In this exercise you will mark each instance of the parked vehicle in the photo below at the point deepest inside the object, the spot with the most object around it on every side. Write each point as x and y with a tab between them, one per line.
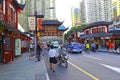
75	47
55	44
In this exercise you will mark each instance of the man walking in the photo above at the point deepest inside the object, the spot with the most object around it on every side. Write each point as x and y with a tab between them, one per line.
39	48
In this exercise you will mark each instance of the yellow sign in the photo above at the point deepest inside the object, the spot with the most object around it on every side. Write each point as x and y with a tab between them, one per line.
38	34
1	29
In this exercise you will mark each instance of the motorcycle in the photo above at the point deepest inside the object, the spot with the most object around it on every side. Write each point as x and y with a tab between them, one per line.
117	50
63	60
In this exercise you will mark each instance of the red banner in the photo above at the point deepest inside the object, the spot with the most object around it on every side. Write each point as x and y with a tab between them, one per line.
39	23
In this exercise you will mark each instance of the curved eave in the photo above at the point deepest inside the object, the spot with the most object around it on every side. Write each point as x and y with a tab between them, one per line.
96	24
51	22
63	29
17	5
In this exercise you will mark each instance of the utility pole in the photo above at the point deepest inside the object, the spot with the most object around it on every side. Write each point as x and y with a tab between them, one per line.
37	16
35	35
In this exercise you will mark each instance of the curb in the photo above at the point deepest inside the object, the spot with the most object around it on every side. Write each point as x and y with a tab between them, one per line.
46	73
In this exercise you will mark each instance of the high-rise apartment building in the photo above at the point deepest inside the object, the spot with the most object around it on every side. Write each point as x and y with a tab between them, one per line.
95	10
84	11
41	8
50	14
115	8
75	16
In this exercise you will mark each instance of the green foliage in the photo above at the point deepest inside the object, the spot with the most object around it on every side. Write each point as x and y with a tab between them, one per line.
75	29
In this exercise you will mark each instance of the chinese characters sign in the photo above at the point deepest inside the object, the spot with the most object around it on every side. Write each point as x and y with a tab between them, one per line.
31	21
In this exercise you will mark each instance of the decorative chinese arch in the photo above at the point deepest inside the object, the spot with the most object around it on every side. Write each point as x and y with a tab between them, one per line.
51	28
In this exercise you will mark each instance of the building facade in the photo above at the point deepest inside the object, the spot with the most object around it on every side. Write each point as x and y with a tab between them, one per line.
95	10
115	8
75	12
10	37
84	11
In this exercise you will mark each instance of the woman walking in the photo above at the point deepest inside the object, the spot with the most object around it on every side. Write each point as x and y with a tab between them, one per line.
52	58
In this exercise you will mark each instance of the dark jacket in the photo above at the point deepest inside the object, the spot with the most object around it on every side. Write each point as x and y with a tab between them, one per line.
39	48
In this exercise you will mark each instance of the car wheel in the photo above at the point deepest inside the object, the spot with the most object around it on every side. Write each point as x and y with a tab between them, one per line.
80	52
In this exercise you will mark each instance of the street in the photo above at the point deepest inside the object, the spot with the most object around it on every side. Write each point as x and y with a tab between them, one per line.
93	66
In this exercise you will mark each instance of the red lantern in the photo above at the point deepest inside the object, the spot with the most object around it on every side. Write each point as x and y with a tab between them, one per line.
9	1
19	11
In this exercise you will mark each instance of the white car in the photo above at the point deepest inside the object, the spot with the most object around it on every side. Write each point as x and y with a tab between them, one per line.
55	44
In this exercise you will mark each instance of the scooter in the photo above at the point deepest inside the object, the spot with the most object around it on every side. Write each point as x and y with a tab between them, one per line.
117	50
63	60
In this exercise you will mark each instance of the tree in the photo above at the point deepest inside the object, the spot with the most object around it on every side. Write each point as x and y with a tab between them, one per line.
75	29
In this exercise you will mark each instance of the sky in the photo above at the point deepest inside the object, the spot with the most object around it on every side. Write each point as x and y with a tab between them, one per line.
63	10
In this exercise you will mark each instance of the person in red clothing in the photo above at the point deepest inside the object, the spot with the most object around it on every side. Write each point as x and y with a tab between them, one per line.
111	47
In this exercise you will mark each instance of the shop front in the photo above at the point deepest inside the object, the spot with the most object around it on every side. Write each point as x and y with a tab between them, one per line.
7	55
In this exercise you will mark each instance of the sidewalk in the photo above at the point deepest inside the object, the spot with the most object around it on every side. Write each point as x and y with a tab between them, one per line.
24	69
103	50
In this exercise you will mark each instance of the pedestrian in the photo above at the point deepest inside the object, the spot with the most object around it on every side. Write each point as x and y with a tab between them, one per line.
87	47
93	46
45	50
107	45
39	48
115	47
31	47
97	46
52	58
111	47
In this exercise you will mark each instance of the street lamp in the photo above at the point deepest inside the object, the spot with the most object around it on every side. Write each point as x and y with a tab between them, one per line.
38	16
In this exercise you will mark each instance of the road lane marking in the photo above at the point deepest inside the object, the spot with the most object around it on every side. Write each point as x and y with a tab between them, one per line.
92	57
111	67
82	70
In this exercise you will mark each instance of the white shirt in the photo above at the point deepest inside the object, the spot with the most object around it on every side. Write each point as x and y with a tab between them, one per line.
31	46
52	53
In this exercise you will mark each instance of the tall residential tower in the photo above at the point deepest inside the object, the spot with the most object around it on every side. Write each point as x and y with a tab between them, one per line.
95	10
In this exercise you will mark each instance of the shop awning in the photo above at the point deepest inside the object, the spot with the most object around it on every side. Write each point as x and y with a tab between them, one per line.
10	28
96	24
96	35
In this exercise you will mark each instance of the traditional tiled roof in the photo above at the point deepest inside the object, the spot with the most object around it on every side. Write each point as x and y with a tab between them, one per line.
95	24
17	5
62	28
51	22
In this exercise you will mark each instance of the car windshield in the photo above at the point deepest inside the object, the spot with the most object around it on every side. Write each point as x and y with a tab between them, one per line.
76	44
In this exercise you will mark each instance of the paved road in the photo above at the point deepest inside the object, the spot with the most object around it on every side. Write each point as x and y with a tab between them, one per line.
94	66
